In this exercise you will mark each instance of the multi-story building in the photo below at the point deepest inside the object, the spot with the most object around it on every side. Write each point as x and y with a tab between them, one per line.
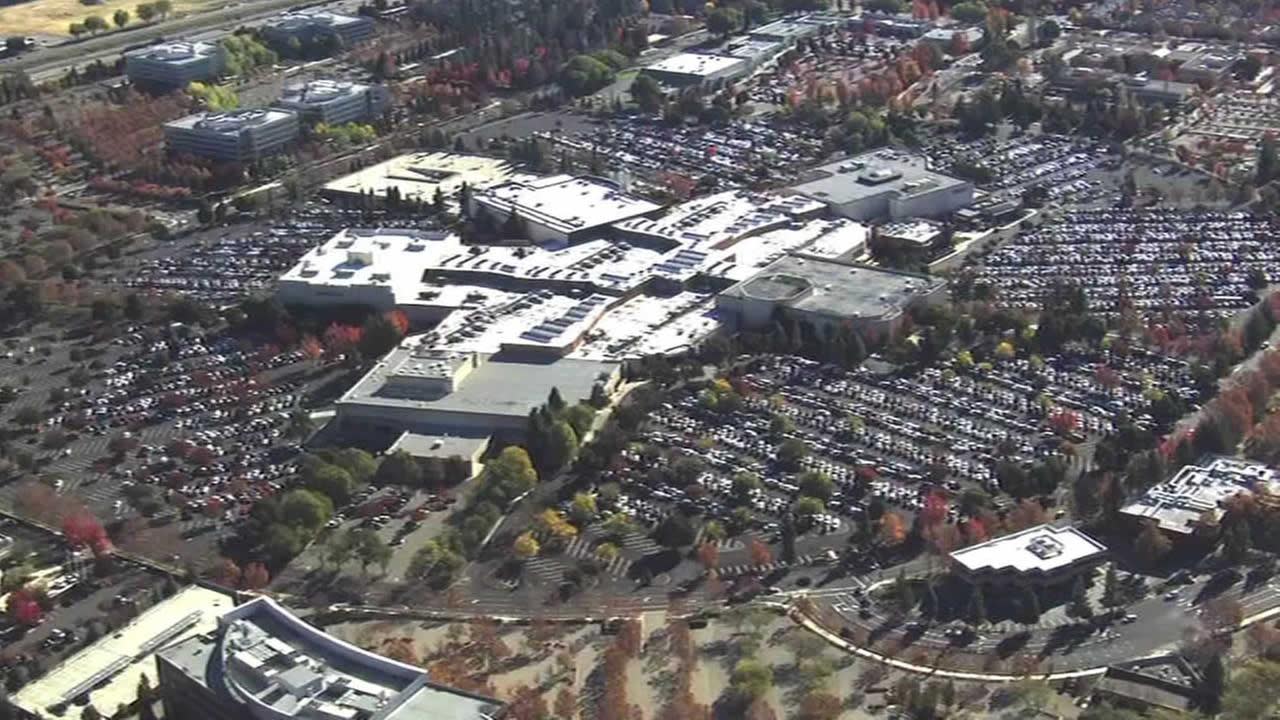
561	208
237	136
1197	496
333	101
174	64
311	27
885	185
266	664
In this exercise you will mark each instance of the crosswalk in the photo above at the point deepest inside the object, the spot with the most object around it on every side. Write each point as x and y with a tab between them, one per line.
762	569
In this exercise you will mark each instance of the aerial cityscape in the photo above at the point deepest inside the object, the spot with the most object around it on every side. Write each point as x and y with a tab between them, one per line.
639	360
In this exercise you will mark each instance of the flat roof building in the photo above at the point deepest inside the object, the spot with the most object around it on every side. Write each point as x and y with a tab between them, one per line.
430	391
829	293
561	208
1039	556
1197	495
694	69
914	233
237	136
885	185
262	662
417	177
174	64
334	101
789	30
314	25
107	672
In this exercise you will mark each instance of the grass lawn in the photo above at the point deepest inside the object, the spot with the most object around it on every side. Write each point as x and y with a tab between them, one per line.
54	17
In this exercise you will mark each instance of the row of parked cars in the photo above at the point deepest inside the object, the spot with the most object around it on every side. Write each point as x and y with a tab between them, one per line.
1189	262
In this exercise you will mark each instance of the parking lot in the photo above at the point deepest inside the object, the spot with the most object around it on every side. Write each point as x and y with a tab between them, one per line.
740	152
176	438
842	56
1185	262
1072	170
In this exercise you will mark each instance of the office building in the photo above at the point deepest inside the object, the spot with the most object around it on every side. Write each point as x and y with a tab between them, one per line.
334	101
264	663
790	30
697	69
435	392
315	26
174	64
1041	556
885	185
561	208
105	674
237	136
830	294
1196	497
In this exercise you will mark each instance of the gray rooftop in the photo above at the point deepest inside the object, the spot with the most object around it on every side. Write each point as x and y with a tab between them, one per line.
505	384
834	288
872	174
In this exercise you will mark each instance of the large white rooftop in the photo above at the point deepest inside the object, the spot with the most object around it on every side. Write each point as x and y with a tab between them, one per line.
108	671
417	176
1043	549
698	64
1198	493
565	203
177	52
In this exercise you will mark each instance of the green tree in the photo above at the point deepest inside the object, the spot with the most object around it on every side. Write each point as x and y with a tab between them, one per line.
647	94
399	468
675	531
370	549
816	484
791	451
562	445
120	18
977	612
723	21
333	482
1251	692
969	13
95	24
305	509
751	678
146	12
380	335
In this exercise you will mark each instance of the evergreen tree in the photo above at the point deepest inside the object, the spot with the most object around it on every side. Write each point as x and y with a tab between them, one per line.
977	613
1212	683
1111	588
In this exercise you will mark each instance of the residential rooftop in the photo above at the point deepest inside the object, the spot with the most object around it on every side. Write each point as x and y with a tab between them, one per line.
1198	493
1043	549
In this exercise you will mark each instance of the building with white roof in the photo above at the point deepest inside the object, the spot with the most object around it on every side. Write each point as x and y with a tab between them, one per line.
334	101
417	177
912	233
236	136
1197	495
561	208
1040	556
885	185
174	64
693	69
107	672
264	663
308	27
829	295
790	30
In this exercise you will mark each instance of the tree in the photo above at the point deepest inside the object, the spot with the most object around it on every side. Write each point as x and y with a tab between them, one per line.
90	713
816	484
255	576
723	21
647	93
380	334
758	552
818	705
146	12
1212	684
968	13
562	445
525	546
163	7
1111	596
893	529
1151	545
751	679
370	549
709	556
333	482
675	531
95	24
306	509
1251	692
120	18
791	451
399	468
1079	605
300	425
583	508
977	612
